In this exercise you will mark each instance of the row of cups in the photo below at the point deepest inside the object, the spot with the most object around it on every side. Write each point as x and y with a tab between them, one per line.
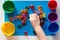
52	17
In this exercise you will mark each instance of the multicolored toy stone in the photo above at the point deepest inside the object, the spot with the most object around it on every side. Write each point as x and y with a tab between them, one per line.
32	7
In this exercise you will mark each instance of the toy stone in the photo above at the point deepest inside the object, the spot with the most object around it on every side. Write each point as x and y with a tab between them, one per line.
19	16
23	17
23	21
42	13
41	22
41	16
15	17
11	19
27	7
39	8
20	26
22	11
32	7
26	11
25	33
37	12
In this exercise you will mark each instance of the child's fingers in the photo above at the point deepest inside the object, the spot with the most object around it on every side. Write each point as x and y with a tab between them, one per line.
31	17
37	17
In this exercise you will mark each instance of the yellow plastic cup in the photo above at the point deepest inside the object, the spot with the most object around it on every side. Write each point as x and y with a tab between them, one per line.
8	28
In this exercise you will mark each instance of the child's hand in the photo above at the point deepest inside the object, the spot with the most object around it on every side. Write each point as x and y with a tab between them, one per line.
34	19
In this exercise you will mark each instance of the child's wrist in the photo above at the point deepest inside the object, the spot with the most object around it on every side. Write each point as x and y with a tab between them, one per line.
36	27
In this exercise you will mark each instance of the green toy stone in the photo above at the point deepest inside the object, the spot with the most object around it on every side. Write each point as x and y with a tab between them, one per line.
27	7
23	24
20	26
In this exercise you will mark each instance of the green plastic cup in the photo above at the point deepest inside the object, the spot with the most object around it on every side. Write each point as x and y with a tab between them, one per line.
8	6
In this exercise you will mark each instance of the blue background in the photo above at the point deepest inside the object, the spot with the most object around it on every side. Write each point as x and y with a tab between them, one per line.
20	5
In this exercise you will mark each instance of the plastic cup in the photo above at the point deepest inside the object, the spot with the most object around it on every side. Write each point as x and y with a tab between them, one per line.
8	6
52	5
53	28
52	17
8	28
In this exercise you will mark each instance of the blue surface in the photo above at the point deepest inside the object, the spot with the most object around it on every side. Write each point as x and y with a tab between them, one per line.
21	5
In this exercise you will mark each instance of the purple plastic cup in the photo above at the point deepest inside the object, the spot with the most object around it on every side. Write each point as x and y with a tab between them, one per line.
52	17
53	28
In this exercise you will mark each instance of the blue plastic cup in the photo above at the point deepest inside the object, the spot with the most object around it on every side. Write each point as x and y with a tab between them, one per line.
53	28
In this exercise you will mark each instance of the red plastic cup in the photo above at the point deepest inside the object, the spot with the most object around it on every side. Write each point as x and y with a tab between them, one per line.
52	17
52	5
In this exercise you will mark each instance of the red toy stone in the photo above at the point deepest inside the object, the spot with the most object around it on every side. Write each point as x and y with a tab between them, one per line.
25	33
23	17
41	22
23	21
32	7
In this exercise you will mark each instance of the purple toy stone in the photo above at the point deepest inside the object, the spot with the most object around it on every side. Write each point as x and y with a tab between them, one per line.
24	15
15	17
37	12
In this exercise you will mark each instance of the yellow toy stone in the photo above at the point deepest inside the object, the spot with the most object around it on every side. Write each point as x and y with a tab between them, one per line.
39	8
26	10
22	11
41	16
8	28
44	15
19	16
